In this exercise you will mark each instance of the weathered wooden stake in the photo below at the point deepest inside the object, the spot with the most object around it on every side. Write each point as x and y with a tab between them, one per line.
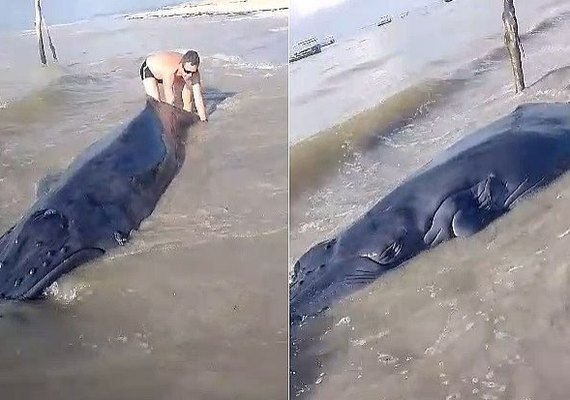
513	44
39	32
51	46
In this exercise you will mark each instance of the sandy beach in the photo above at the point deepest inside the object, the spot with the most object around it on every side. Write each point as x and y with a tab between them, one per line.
219	7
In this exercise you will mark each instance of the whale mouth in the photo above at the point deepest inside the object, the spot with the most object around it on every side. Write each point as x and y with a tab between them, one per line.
79	257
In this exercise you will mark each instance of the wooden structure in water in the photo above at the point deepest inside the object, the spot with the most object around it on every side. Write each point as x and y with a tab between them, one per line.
305	48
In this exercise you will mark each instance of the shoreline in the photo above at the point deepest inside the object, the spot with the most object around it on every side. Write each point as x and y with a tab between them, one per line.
215	8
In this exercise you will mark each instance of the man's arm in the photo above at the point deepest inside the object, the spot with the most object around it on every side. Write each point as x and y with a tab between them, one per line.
186	98
168	85
197	91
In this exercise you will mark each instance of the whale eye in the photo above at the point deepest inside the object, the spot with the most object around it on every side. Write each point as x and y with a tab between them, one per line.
330	244
296	268
390	253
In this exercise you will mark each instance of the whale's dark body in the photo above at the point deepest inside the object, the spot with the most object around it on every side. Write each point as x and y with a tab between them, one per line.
96	203
459	193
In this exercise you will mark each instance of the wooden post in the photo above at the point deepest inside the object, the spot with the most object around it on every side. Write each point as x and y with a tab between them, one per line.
513	44
51	46
39	32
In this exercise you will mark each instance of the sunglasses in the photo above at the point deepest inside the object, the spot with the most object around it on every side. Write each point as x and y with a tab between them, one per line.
185	70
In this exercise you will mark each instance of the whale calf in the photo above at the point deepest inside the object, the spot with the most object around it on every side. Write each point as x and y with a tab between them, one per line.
457	194
96	203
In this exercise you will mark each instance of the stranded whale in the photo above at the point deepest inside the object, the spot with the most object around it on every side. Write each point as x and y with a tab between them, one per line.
459	193
95	204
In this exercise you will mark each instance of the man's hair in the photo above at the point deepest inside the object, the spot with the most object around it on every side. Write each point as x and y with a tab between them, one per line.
191	57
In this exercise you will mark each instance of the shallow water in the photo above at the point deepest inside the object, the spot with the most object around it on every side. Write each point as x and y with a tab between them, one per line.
373	64
20	15
481	318
195	305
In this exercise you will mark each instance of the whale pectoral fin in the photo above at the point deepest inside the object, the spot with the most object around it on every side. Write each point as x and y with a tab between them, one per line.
468	211
47	183
439	229
477	212
467	222
436	236
490	194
